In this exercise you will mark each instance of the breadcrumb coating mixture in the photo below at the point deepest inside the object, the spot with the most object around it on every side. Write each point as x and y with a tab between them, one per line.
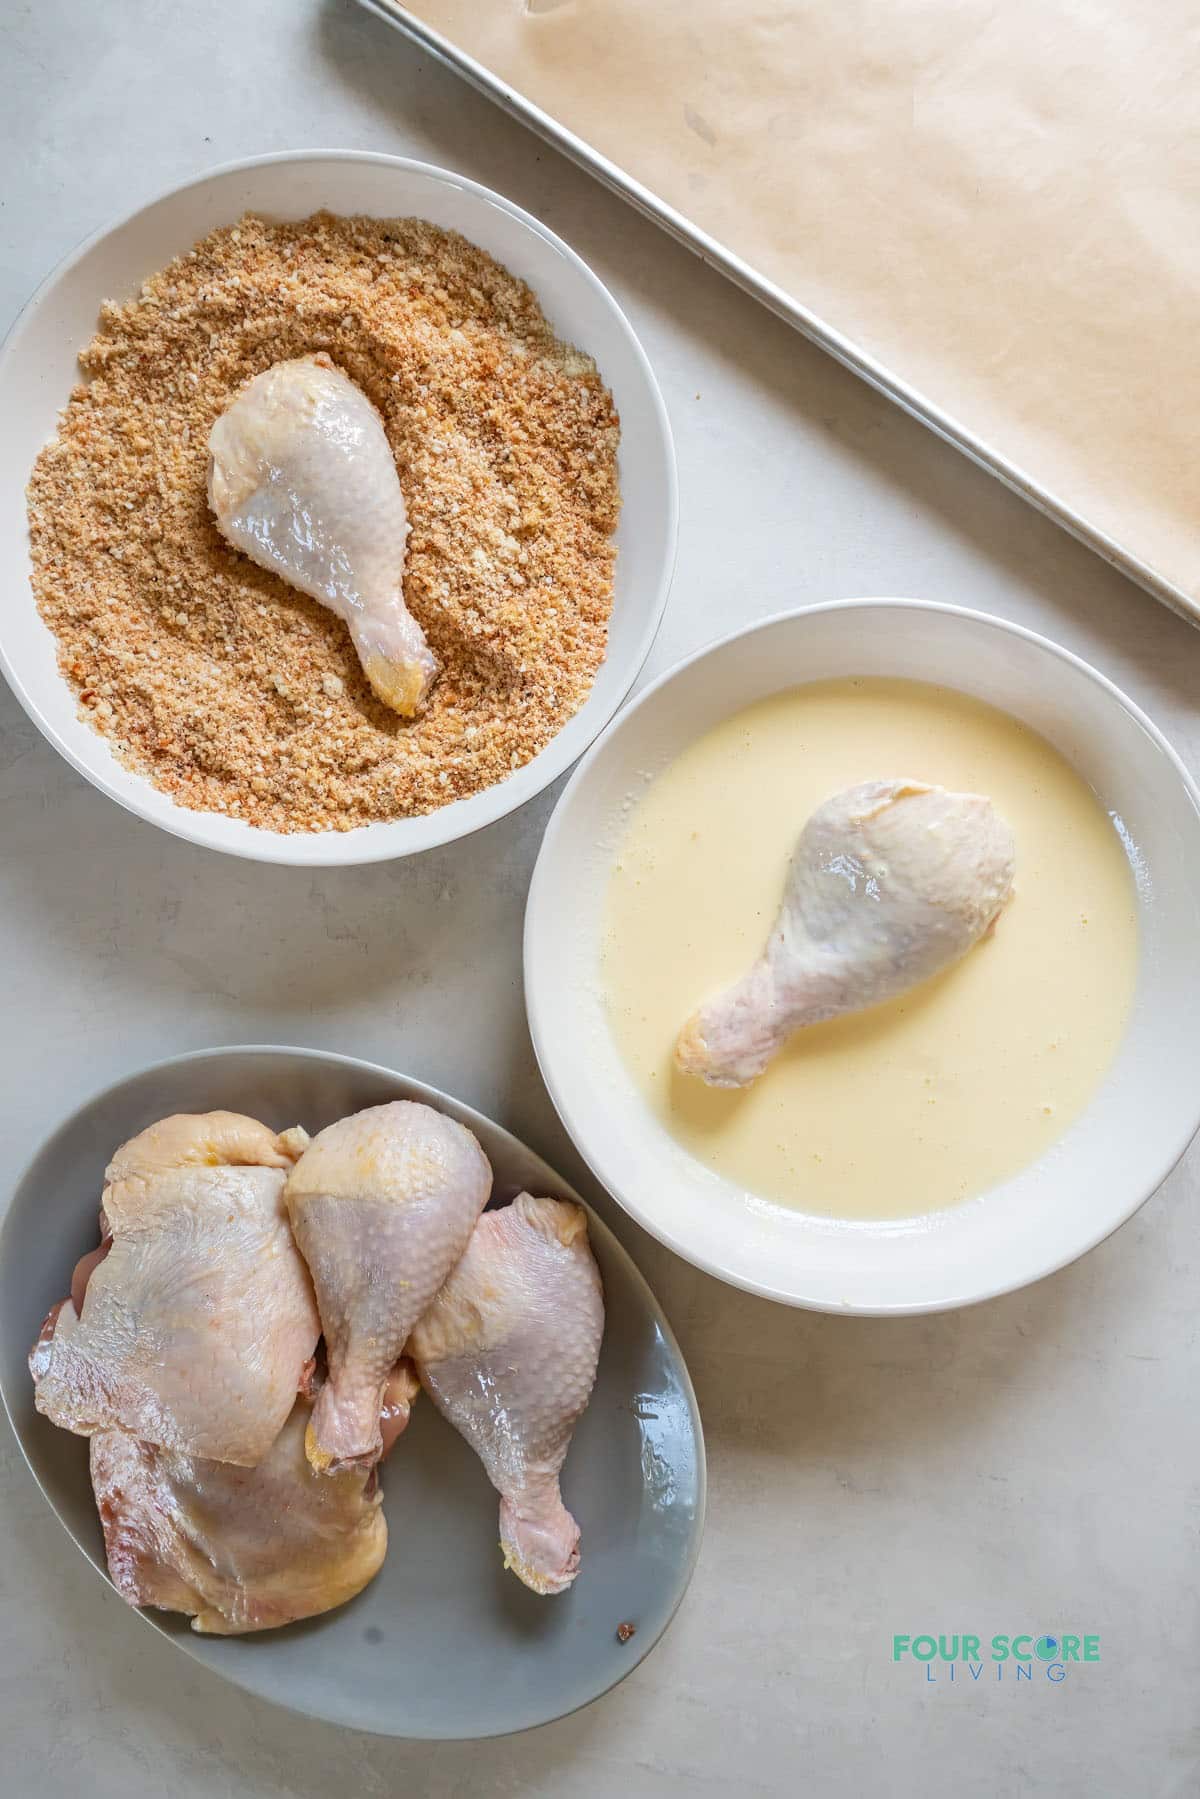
230	690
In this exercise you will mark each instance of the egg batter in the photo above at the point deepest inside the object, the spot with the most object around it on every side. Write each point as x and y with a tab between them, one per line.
941	1093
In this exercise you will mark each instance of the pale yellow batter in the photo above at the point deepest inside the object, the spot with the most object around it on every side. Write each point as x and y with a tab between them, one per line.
938	1095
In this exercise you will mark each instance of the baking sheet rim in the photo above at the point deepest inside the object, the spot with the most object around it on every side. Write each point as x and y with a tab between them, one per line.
809	324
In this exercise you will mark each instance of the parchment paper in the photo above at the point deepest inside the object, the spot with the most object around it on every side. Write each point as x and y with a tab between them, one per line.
1000	201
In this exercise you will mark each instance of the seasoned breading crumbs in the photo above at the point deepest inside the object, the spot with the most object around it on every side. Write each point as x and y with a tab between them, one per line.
235	693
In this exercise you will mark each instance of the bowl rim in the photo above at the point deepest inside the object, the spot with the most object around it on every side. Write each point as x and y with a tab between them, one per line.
435	1097
361	845
536	1012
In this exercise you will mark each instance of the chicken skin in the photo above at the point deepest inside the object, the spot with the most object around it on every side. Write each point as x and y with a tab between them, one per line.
302	479
508	1353
891	882
382	1205
400	1393
239	1549
194	1325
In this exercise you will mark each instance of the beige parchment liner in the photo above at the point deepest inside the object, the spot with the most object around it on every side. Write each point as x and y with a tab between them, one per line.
1000	202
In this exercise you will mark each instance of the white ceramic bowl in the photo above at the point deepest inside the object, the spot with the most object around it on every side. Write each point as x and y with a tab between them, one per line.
1099	1172
38	370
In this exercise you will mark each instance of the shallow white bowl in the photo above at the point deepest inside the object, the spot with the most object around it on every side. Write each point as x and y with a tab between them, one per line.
1099	1172
38	370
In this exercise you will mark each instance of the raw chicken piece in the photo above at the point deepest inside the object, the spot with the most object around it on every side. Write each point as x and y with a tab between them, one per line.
238	1548
508	1354
301	477
382	1205
197	1321
400	1392
890	883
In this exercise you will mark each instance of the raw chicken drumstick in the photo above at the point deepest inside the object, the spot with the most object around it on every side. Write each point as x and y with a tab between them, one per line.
508	1354
302	478
238	1548
890	883
195	1321
382	1205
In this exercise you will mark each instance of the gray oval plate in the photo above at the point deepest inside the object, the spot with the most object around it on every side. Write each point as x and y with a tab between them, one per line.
443	1643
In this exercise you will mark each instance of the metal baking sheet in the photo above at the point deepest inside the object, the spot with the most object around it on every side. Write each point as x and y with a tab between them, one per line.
867	367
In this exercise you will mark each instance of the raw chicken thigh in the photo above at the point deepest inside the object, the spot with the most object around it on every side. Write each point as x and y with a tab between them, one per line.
302	478
508	1354
194	1325
382	1205
890	883
238	1548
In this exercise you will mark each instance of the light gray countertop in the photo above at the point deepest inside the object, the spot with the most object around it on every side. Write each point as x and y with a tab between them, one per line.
1030	1465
